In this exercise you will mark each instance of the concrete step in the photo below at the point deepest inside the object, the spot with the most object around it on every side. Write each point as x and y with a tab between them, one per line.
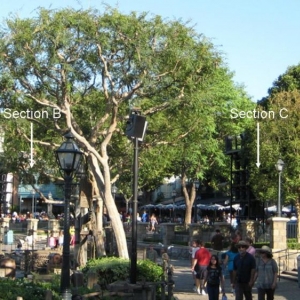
290	275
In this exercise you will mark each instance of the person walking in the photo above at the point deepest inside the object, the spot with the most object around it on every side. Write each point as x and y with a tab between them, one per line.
202	259
250	249
214	278
244	267
153	222
72	235
144	217
60	239
30	240
52	241
152	254
266	274
195	248
228	261
165	262
217	241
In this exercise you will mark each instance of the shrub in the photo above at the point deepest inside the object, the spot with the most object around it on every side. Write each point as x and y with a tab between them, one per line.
152	240
293	244
260	244
110	269
27	289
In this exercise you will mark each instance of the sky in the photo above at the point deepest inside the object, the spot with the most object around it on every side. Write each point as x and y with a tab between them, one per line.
259	39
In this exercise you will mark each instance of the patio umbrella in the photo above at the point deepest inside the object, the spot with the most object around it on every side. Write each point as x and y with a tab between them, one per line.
271	208
215	207
202	206
234	206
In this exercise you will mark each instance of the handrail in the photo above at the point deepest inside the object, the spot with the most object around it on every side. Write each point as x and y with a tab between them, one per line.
287	255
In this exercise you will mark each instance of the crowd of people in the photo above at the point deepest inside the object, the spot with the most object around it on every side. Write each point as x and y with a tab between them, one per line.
20	217
244	264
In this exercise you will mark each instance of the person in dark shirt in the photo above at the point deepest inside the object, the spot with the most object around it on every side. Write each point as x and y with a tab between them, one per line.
214	278
217	241
244	267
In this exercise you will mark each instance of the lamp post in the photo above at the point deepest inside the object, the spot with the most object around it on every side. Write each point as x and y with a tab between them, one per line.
114	191
197	184
32	203
279	167
174	196
21	201
135	130
68	158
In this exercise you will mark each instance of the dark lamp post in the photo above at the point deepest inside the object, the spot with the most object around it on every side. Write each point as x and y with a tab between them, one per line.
197	184
68	158
279	167
135	130
174	196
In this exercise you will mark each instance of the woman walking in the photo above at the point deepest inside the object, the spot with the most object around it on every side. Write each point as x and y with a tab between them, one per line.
266	274
153	222
61	239
214	278
229	257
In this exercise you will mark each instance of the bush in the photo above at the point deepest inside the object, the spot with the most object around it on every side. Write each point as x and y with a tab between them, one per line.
152	240
260	244
293	244
33	290
27	289
111	269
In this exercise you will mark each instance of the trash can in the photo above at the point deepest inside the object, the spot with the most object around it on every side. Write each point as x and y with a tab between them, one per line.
9	237
298	267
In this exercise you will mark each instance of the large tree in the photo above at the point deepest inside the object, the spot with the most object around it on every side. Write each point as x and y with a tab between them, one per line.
87	70
280	139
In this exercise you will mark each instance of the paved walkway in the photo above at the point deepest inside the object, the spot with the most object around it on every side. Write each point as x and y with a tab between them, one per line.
287	289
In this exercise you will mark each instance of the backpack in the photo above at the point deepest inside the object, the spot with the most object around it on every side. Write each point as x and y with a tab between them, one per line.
213	276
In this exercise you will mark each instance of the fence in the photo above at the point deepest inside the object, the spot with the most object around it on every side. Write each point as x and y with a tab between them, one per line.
292	230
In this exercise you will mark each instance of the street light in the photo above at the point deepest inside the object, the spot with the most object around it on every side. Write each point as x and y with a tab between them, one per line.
32	203
68	157
197	184
135	130
279	167
114	191
174	196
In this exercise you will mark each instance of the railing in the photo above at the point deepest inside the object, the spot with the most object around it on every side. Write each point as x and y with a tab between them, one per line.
284	258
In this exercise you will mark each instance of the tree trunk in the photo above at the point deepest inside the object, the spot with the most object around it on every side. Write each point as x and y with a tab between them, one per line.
100	241
104	186
188	213
189	199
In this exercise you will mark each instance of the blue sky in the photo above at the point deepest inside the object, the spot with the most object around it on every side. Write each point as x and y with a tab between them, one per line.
259	39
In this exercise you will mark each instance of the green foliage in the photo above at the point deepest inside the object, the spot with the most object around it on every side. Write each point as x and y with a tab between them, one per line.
279	139
152	240
289	81
94	67
28	290
260	244
180	243
293	244
111	269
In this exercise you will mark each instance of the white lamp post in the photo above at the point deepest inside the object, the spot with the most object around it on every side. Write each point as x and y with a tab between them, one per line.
279	167
174	196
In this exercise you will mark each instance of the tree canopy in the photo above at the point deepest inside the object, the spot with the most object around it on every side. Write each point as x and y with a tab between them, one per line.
279	139
85	71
